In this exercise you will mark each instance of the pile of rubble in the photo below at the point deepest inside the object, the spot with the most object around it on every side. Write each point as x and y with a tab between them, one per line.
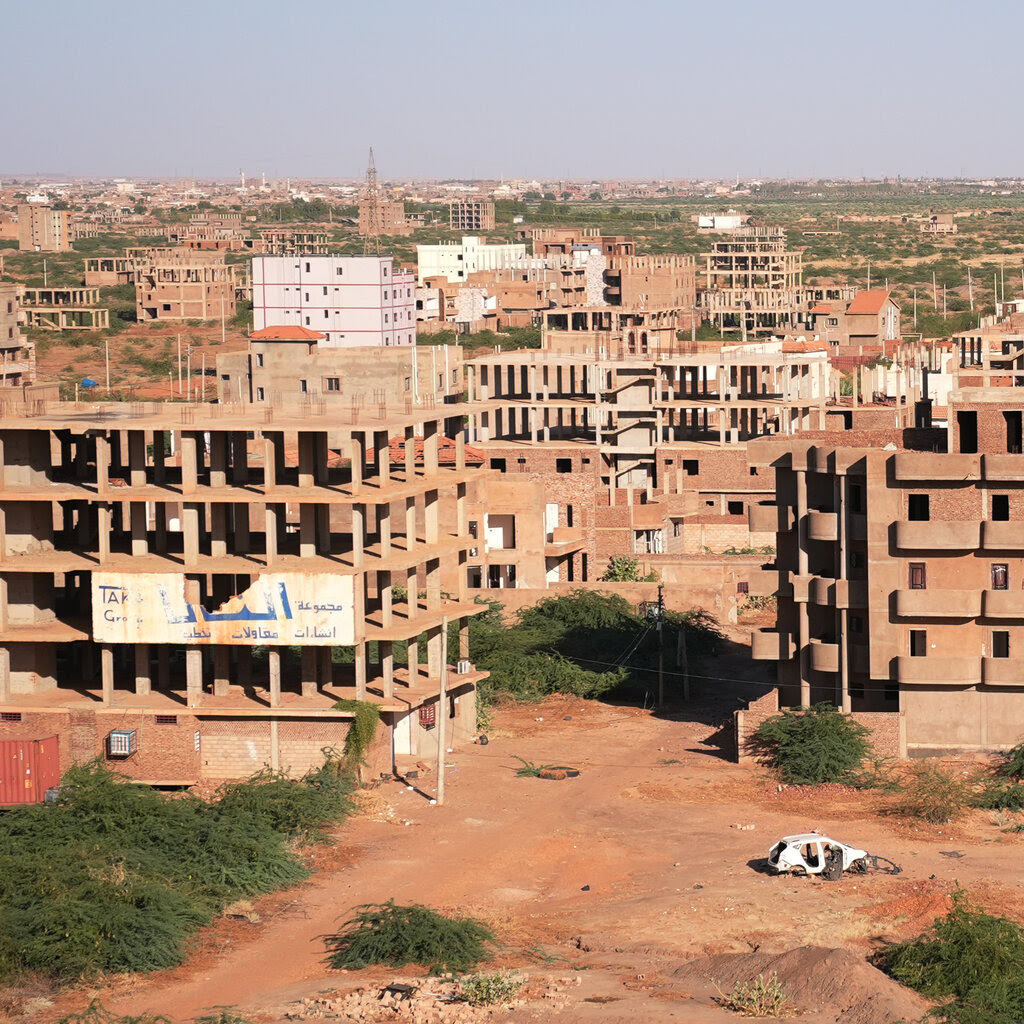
423	1001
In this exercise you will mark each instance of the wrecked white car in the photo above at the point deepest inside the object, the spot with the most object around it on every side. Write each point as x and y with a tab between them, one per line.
815	854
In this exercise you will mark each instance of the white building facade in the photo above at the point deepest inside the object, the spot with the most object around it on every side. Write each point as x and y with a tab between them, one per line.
456	261
355	301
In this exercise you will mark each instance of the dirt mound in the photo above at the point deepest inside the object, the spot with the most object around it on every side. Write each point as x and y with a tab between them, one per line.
833	984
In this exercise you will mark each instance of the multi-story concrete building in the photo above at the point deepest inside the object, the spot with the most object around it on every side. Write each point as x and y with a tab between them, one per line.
753	281
455	261
41	228
187	591
870	318
64	309
383	217
289	365
471	215
899	560
18	356
650	282
354	301
180	284
108	271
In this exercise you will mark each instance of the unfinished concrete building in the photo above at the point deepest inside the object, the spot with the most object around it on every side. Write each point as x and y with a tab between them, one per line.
753	281
640	282
187	591
108	271
17	355
41	228
63	309
178	284
471	215
289	242
383	217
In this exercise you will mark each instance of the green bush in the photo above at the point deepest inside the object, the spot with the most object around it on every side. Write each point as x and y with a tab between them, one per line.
971	957
809	746
488	989
623	569
933	795
116	876
97	1013
395	936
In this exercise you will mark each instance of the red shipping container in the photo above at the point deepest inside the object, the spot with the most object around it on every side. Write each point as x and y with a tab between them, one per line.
28	768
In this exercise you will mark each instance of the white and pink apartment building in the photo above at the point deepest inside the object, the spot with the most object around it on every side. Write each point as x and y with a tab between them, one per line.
354	301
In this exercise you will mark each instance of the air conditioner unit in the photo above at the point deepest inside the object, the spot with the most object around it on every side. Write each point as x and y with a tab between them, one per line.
464	667
122	743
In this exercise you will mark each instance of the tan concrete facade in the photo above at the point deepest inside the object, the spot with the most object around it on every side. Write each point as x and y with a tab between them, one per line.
178	284
41	228
17	354
213	503
471	215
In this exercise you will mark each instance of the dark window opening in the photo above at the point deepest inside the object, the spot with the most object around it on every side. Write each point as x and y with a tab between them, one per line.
563	465
166	719
1000	508
1000	643
856	624
918	508
918	643
1000	576
892	691
735	508
967	426
742	588
498	464
856	498
10	716
691	467
918	576
1014	431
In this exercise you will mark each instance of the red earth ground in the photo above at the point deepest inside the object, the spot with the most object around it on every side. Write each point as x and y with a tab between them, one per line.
617	877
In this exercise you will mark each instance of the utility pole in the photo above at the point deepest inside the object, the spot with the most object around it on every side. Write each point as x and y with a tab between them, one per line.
371	235
661	648
106	346
188	354
222	328
683	661
442	712
179	365
44	273
203	399
970	288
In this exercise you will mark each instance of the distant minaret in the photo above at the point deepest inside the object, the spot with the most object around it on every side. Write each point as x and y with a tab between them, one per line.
242	175
264	185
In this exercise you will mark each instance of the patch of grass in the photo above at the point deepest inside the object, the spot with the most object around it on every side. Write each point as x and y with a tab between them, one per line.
529	770
933	795
489	989
809	746
972	958
96	1013
762	997
394	936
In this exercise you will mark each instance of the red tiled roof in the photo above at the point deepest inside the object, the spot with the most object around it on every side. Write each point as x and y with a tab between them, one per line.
821	307
869	301
803	346
283	333
445	451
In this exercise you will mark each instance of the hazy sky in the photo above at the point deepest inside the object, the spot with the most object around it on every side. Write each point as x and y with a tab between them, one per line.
641	88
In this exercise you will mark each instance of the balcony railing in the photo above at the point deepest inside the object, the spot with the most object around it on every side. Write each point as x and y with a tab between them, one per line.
936	535
939	671
938	604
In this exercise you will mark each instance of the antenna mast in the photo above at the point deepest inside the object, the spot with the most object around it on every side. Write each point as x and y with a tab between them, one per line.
371	230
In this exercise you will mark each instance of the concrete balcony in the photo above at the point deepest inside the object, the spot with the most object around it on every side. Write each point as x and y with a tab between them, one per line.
1002	536
838	593
763	518
563	541
1003	467
938	604
801	586
936	535
936	466
770	645
824	656
1002	671
1003	604
822	525
939	671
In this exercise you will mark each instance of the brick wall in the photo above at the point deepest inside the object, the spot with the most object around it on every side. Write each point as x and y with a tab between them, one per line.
39	726
887	729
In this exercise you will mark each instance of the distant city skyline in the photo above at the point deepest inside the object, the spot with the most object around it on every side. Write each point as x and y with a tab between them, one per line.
571	91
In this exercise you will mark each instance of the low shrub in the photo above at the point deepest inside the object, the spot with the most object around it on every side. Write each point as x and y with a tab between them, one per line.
809	746
762	997
394	936
973	958
488	989
97	1013
932	794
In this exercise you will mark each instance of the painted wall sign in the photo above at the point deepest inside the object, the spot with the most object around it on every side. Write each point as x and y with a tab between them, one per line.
278	609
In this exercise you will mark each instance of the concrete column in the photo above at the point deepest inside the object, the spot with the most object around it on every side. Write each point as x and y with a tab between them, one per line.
387	665
5	675
307	461
270	514
382	456
361	670
357	456
239	457
358	534
194	676
384	529
103	531
219	440
189	462
274	676
307	530
410	522
221	671
308	668
102	463
159	458
431	511
409	449
326	666
435	651
270	446
137	457
243	665
240	527
190	532
143	682
140	535
384	585
414	661
107	672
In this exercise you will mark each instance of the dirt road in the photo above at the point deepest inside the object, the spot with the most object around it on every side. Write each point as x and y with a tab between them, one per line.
646	860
